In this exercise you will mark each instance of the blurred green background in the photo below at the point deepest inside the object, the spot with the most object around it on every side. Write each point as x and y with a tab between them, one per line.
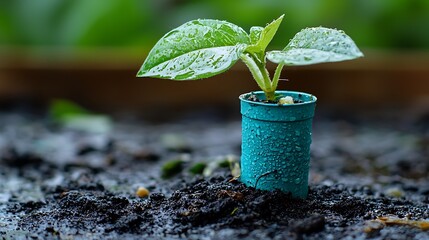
137	24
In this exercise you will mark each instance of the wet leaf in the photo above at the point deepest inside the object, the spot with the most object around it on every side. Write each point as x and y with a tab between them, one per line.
255	34
265	35
197	49
316	45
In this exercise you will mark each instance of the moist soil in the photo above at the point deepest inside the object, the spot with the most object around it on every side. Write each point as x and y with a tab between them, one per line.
254	98
61	183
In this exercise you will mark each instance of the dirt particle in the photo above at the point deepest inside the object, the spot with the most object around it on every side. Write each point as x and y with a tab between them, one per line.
232	194
157	197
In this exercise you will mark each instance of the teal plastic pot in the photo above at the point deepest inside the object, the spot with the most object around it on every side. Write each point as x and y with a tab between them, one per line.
276	143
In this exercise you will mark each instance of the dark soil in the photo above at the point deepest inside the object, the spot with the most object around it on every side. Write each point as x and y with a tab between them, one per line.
58	183
254	98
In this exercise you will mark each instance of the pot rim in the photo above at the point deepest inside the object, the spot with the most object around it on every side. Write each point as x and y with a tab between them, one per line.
241	97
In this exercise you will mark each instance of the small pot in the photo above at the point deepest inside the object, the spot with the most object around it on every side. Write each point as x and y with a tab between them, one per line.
276	143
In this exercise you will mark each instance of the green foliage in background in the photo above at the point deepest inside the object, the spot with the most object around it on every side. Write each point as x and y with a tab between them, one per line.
136	23
76	23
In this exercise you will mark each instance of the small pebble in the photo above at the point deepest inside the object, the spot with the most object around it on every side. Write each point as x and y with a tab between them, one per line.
286	100
373	225
142	192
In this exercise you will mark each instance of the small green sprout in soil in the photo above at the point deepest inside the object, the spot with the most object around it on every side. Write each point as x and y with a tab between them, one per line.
224	164
62	109
73	116
203	48
229	161
198	168
172	168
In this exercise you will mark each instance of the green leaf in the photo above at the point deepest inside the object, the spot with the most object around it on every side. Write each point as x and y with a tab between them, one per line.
197	49
316	45
265	35
255	34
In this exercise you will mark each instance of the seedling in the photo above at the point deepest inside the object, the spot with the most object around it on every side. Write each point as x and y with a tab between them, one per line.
205	47
171	168
198	168
73	116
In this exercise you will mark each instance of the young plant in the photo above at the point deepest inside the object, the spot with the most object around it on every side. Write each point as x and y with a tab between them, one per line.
203	48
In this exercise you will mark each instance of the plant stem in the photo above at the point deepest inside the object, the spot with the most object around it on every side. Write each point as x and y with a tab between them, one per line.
276	76
255	70
266	76
261	75
270	95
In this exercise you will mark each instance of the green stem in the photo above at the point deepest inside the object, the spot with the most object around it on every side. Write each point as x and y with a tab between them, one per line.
255	70
262	76
270	95
260	62
276	76
266	76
